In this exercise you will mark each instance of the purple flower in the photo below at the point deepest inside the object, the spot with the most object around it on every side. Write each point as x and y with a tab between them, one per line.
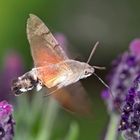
12	68
124	70
135	46
130	117
61	38
6	121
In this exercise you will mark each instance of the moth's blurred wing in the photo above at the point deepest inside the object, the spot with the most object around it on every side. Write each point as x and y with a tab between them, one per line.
74	98
44	47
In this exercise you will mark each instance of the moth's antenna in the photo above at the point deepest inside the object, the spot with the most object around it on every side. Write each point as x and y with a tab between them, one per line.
99	68
92	52
107	86
103	83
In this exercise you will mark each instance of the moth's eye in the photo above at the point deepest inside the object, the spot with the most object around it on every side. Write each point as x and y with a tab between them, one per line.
86	72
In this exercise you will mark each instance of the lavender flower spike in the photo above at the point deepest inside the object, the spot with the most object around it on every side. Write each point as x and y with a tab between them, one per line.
130	118
124	69
6	121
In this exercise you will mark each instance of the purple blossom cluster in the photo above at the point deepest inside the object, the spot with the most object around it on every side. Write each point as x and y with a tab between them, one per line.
124	82
130	117
124	70
6	121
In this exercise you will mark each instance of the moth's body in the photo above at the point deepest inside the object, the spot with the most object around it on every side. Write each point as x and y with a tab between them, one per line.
53	68
66	73
45	75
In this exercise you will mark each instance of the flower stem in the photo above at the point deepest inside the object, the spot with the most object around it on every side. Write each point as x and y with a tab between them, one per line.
51	115
112	132
49	120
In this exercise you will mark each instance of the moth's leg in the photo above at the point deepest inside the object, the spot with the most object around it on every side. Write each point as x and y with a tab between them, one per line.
52	92
61	85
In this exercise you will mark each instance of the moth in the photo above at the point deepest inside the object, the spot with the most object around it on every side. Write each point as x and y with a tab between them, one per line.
53	69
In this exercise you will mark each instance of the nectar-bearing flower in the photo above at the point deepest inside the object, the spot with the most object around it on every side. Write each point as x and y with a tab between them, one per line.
124	70
6	121
130	117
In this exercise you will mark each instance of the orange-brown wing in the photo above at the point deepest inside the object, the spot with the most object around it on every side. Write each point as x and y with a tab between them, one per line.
44	47
74	98
51	75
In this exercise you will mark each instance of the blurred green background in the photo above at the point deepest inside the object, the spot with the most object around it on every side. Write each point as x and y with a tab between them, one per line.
113	23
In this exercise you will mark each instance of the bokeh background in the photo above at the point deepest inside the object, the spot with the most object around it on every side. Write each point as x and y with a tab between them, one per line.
83	22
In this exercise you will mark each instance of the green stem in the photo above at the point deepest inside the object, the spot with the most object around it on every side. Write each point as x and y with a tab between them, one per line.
49	120
51	117
111	133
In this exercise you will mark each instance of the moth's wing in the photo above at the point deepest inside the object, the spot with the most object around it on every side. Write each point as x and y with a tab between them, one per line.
74	98
44	47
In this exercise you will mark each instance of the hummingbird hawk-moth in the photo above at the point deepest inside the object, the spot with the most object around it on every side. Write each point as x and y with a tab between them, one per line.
53	68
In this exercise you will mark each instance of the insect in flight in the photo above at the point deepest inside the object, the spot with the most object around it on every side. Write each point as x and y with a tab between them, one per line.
52	68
